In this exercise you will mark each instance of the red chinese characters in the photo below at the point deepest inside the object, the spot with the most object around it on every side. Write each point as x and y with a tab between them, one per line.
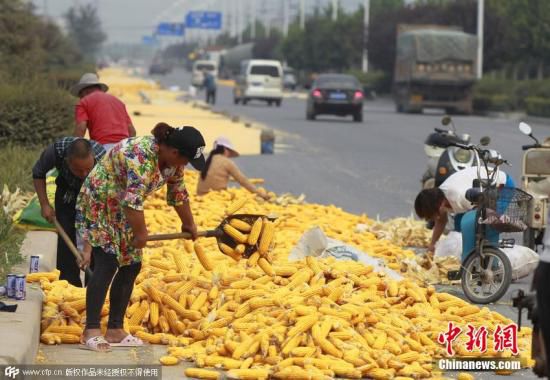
506	338
476	338
448	337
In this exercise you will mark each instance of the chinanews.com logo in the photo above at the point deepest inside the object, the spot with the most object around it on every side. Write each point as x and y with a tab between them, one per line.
11	372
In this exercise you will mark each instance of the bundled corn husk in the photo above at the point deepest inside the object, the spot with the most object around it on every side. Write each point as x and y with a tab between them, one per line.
11	203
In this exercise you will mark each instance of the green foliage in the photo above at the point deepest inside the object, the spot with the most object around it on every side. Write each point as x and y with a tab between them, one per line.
377	80
85	30
508	95
325	45
16	164
538	106
10	242
34	113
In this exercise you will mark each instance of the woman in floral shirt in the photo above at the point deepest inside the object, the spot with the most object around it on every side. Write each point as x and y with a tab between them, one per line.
111	221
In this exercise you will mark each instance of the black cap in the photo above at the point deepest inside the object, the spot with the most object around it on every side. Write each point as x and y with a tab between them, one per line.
190	143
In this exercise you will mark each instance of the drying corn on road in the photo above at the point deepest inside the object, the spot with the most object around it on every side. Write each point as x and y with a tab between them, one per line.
207	312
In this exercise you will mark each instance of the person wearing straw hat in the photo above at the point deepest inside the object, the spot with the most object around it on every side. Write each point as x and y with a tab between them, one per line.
219	168
102	114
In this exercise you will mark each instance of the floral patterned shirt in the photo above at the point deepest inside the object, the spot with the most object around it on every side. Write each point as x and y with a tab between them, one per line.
124	178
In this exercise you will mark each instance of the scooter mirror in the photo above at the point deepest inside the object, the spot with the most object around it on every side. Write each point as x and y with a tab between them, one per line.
525	128
446	120
485	140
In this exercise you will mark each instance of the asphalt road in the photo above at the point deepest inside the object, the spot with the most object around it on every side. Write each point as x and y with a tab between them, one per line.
373	167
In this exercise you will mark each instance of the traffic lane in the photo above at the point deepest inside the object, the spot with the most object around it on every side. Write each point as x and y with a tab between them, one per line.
380	161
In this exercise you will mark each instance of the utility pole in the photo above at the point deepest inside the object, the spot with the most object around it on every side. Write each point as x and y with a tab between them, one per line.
480	17
334	10
302	14
240	23
366	10
253	26
285	17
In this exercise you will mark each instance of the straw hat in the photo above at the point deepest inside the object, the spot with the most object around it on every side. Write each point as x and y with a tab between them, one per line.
87	80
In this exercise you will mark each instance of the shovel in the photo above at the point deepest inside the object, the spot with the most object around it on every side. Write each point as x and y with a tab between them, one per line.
69	242
217	233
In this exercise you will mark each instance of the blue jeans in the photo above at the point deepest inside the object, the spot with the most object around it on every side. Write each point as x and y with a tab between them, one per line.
466	224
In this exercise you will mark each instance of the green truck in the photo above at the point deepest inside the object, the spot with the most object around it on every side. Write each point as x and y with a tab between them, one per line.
435	67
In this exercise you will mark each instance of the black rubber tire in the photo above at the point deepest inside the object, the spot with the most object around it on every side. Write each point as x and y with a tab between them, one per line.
269	103
358	117
235	100
507	267
245	101
278	102
310	116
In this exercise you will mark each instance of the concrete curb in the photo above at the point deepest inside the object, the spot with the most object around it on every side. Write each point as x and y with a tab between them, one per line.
20	331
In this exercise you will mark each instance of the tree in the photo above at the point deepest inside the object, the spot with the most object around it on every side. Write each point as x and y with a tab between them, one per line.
84	27
30	44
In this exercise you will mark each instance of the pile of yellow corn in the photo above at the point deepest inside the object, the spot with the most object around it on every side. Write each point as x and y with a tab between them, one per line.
311	319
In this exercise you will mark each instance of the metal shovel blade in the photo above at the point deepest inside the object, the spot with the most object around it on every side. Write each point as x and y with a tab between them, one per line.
218	232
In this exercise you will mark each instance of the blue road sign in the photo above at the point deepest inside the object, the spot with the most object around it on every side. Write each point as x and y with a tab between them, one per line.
149	40
203	20
170	29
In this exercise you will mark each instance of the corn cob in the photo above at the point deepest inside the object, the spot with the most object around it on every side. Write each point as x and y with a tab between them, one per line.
235	234
236	206
168	360
199	301
248	374
255	232
240	225
154	314
69	311
227	250
253	259
203	257
200	373
266	237
266	266
193	315
69	330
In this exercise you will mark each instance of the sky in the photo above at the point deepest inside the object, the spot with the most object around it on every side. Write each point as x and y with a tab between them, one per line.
126	21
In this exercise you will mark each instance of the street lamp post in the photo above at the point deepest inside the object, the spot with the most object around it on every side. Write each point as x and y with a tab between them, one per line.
302	14
480	17
365	60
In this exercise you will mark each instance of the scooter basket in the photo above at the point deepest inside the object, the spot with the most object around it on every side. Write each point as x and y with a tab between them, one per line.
506	209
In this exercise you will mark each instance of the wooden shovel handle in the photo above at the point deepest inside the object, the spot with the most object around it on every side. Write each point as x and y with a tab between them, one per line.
72	248
67	241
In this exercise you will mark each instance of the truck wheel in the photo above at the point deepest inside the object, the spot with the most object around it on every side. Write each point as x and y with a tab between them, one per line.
245	101
310	115
278	102
358	116
235	100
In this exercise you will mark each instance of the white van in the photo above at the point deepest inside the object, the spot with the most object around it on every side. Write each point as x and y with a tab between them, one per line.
197	76
261	80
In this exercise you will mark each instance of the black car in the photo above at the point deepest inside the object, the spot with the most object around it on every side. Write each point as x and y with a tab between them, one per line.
335	94
159	68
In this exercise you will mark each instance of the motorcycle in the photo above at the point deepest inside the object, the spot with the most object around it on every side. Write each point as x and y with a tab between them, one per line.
535	167
486	273
445	159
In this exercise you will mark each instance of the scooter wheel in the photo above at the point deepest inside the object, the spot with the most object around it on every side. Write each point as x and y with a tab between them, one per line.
483	286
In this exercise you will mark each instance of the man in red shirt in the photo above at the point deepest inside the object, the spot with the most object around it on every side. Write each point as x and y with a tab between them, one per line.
102	114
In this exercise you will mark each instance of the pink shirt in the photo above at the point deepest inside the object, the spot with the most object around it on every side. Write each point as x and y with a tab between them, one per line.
107	117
